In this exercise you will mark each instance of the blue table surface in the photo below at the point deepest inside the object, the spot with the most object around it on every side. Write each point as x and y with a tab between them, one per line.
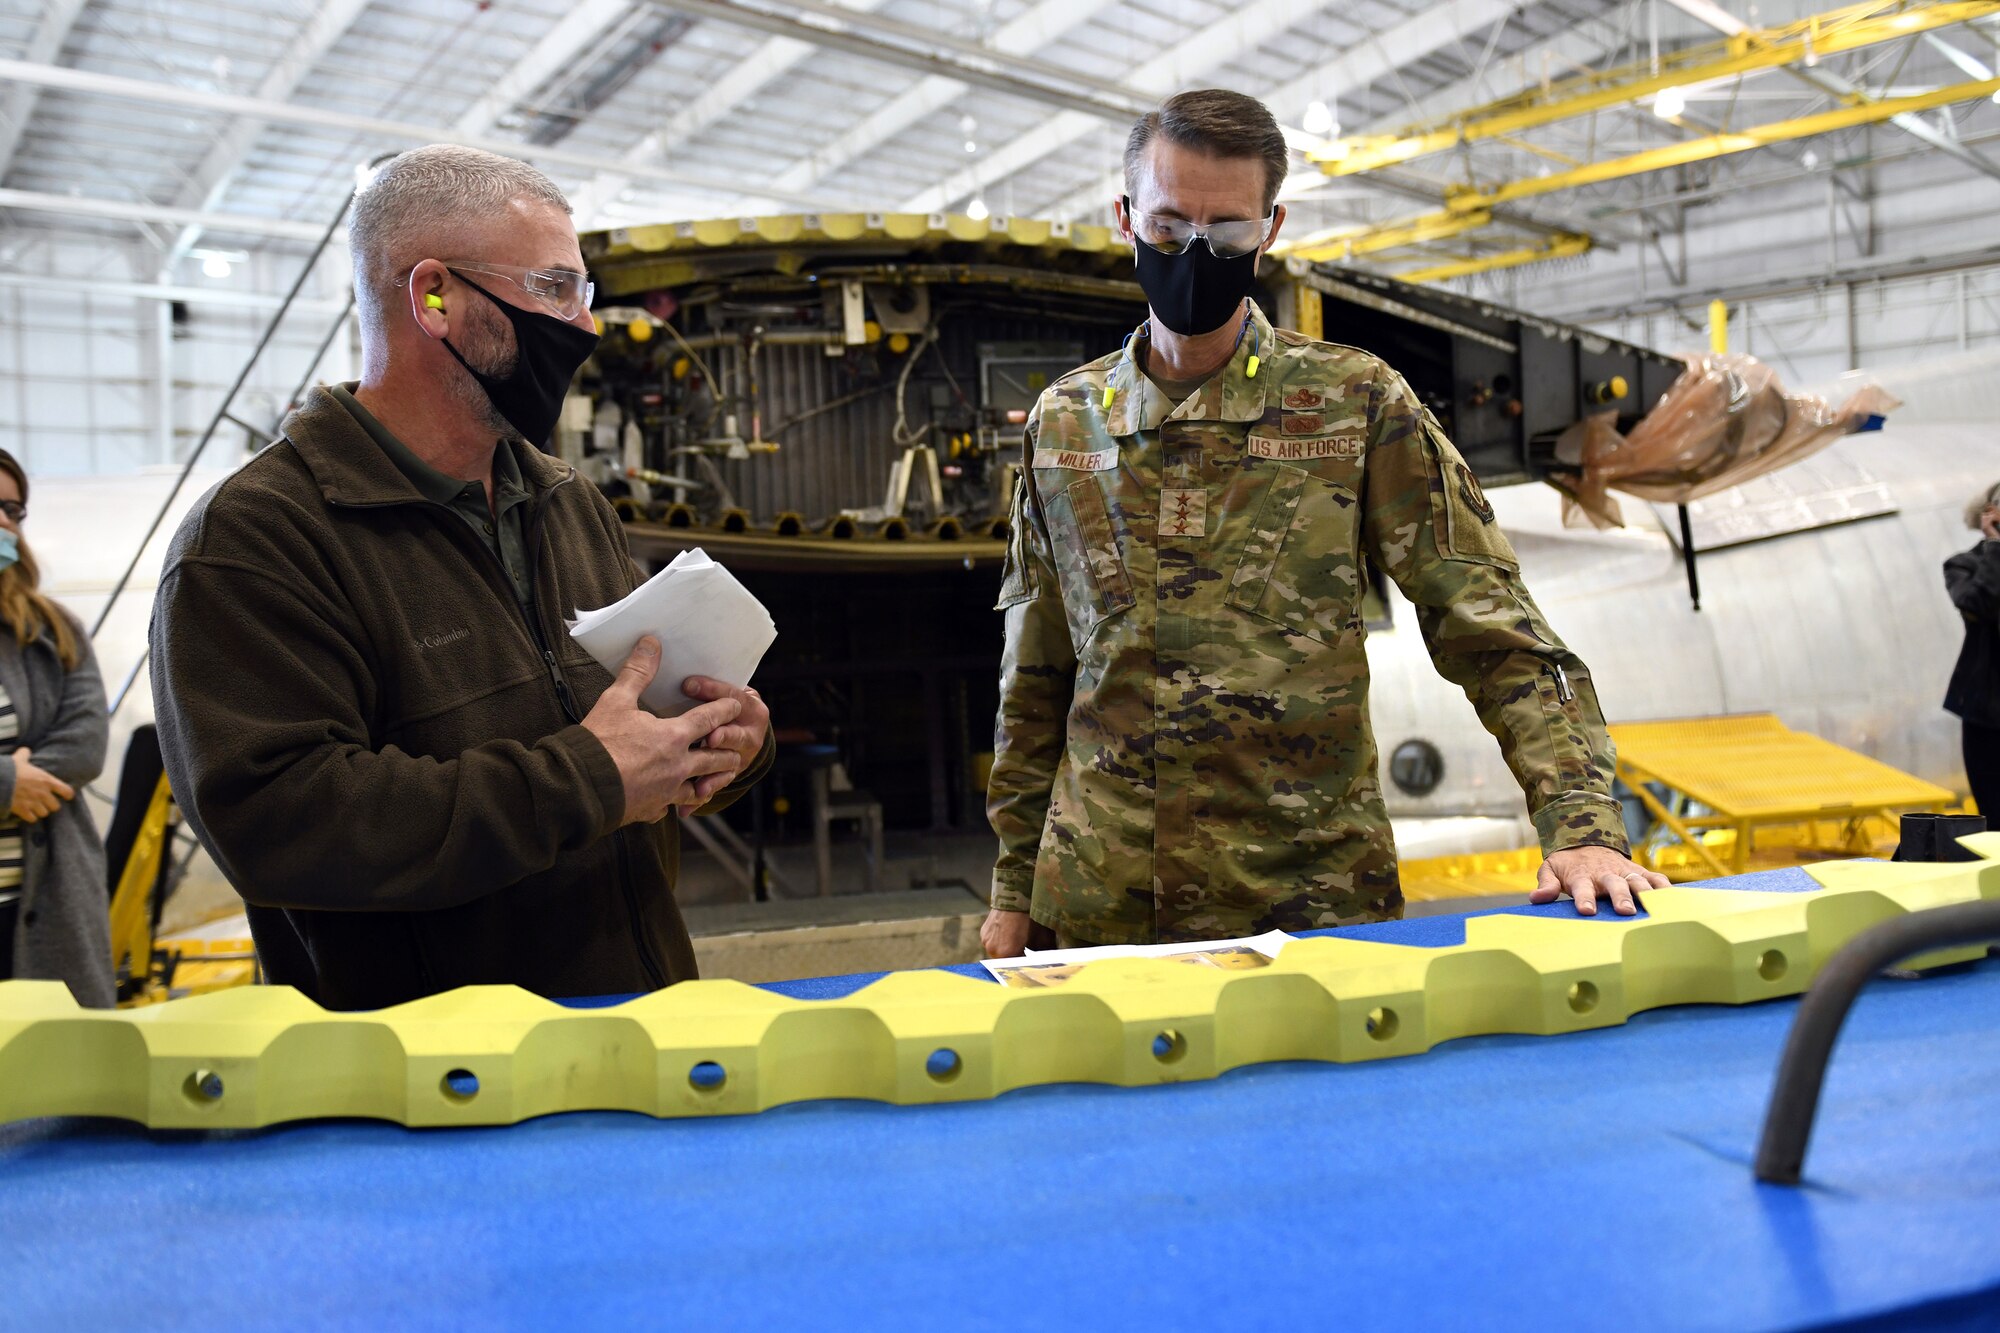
1597	1179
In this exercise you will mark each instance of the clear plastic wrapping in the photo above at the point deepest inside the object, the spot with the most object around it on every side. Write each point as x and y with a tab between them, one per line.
1726	420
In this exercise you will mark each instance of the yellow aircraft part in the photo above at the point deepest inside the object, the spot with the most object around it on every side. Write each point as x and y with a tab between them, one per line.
1471	875
490	1055
634	259
1747	52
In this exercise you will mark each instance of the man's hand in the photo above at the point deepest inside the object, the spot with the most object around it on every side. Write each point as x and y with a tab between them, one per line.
1005	934
656	756
744	737
38	793
1585	873
1989	524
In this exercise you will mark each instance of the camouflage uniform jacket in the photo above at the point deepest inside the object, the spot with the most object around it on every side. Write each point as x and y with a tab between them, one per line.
1183	749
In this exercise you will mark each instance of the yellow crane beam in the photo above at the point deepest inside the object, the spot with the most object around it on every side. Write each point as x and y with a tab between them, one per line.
1351	242
1708	147
1744	53
1560	247
1476	202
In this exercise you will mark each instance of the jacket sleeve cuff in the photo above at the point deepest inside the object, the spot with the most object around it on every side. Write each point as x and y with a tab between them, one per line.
1582	819
599	772
1009	896
7	775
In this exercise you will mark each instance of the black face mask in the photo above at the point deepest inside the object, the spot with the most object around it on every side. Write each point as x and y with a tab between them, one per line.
1193	292
530	396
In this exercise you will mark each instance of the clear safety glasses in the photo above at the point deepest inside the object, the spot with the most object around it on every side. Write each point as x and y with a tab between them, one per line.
1172	236
562	290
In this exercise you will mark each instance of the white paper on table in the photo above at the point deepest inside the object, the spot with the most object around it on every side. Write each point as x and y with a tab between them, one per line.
707	623
1268	944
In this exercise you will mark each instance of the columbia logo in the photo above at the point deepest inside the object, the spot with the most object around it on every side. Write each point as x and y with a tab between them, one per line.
445	639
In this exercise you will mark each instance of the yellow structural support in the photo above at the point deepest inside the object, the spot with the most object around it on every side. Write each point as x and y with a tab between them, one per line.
1560	247
1718	326
132	902
1747	52
495	1055
1710	146
1473	205
1349	242
1752	772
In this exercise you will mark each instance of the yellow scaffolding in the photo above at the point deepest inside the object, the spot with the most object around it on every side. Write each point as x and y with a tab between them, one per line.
1748	52
1752	772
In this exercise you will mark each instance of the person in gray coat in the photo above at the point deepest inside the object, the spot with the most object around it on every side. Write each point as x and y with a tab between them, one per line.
54	910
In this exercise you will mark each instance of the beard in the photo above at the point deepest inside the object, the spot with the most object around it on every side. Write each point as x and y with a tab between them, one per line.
488	344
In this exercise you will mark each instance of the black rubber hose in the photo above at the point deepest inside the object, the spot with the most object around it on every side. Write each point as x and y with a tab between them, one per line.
1788	1122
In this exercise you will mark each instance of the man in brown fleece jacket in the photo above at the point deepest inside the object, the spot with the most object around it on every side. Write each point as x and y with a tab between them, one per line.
371	712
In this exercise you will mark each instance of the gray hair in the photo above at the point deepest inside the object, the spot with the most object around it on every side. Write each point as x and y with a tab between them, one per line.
1979	504
424	195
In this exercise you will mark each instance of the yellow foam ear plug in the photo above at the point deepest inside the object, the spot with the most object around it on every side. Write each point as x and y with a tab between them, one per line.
1109	393
433	300
1251	372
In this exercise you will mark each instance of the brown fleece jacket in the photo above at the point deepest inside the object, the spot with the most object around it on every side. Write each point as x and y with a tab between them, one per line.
382	752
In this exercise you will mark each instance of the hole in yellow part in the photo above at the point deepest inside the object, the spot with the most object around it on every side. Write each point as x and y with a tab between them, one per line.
459	1086
1772	965
203	1087
1169	1046
1582	997
943	1065
707	1076
1381	1024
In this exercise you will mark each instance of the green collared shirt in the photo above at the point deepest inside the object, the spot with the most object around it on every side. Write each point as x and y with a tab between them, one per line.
505	536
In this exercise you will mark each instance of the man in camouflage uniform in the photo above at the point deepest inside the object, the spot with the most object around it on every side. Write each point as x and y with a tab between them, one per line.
1183	749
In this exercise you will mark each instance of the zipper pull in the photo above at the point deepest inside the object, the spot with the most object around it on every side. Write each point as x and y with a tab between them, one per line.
1563	690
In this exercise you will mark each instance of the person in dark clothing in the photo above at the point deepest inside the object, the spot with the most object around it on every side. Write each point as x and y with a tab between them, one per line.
1973	580
369	707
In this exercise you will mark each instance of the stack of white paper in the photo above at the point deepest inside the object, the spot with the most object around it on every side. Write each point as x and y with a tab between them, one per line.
707	623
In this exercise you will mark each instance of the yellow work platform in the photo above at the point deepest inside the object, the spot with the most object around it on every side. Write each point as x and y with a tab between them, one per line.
1752	772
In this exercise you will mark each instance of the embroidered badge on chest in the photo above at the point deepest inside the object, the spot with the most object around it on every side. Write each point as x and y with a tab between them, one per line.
1077	460
1184	513
1336	446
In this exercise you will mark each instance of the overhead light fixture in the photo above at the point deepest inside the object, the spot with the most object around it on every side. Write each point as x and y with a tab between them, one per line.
1320	120
977	210
1809	159
1668	103
216	266
967	123
971	145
